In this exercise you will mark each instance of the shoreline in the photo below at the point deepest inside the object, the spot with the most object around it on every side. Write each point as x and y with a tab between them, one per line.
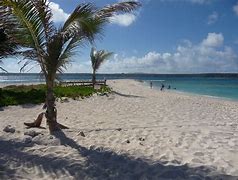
2	85
134	132
144	83
187	93
205	96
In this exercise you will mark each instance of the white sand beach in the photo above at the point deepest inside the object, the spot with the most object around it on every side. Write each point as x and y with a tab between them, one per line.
133	133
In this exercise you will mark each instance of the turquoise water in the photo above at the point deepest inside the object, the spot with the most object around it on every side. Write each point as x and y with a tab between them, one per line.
210	86
217	85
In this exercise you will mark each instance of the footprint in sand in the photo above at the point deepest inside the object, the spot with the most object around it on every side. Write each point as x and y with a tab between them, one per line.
198	154
179	141
196	160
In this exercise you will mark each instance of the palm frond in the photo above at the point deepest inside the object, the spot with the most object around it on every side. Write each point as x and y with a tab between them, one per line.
28	23
98	57
7	45
60	52
26	63
81	12
45	14
55	47
4	70
82	23
106	55
92	54
28	54
110	10
68	52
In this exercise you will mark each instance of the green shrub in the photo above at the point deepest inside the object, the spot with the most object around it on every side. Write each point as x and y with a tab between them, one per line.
35	94
73	91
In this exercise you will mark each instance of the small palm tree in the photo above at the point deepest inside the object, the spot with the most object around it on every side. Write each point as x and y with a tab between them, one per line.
50	47
97	58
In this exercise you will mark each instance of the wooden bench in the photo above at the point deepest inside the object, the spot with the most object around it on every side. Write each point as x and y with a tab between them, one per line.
81	83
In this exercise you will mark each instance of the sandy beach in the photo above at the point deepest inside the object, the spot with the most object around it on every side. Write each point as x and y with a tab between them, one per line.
133	133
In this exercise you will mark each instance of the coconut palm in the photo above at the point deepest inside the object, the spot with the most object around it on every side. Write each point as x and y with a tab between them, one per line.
97	58
50	47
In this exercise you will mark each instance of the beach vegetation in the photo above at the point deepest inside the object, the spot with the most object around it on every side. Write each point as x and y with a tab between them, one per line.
97	58
35	94
51	47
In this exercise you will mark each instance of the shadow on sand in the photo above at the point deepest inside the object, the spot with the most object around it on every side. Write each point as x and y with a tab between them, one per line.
121	129
126	95
25	106
29	106
98	164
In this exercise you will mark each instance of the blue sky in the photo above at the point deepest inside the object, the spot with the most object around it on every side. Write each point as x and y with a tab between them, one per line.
163	36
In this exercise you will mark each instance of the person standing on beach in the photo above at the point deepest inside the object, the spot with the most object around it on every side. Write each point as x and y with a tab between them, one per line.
162	87
151	84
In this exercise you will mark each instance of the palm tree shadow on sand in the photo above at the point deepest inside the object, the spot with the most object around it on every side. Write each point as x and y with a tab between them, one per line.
29	106
98	164
126	95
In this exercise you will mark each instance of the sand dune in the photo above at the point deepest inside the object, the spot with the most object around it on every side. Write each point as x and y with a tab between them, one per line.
133	133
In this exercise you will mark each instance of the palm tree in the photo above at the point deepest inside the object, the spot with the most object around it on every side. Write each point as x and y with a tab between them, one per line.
97	58
50	47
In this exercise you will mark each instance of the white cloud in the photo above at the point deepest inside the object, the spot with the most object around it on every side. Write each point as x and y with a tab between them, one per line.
213	40
235	9
188	58
212	18
123	19
209	55
58	13
235	41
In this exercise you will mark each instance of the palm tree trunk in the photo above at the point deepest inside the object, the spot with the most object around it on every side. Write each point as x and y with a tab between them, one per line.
51	112
94	78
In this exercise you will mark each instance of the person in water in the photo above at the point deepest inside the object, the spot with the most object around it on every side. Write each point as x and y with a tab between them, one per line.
162	87
151	84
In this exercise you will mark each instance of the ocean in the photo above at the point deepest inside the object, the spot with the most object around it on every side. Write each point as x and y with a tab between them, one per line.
216	85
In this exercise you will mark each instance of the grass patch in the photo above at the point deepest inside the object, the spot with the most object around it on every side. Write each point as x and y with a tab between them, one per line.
74	91
35	94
